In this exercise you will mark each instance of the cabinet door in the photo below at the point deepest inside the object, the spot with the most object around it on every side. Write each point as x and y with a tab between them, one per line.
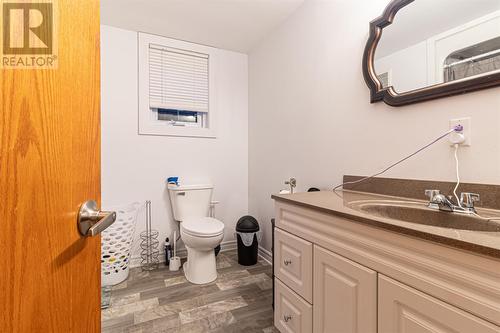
345	295
292	314
403	309
293	264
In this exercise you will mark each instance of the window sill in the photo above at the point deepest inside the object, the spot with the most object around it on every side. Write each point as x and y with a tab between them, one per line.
181	131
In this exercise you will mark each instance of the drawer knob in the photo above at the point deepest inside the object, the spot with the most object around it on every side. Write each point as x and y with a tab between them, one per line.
287	262
287	318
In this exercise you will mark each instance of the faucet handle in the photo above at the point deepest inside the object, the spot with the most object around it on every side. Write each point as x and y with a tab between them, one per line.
292	182
432	193
467	199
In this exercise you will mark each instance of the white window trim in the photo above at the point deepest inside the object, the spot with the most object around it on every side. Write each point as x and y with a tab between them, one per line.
148	123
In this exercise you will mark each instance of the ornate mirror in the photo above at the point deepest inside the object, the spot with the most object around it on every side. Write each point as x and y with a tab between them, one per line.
425	49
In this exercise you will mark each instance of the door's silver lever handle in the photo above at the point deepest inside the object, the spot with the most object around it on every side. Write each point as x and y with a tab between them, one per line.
91	221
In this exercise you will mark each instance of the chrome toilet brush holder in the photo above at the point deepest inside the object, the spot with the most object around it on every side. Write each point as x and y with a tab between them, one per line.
175	261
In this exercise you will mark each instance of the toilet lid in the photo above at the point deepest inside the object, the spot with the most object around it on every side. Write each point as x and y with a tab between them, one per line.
202	226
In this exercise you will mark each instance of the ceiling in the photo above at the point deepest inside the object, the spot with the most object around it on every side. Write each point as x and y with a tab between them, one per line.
423	19
235	25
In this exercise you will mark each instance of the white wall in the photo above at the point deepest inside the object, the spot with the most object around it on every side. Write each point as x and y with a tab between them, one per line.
310	115
134	167
407	67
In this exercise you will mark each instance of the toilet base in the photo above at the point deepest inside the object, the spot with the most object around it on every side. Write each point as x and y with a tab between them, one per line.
203	269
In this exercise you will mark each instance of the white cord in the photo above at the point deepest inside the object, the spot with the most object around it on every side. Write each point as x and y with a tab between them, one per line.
456	187
458	183
458	176
397	163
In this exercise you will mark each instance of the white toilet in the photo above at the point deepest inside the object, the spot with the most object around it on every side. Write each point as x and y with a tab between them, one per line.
200	233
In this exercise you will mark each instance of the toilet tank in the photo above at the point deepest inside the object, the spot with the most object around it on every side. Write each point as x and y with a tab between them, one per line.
190	200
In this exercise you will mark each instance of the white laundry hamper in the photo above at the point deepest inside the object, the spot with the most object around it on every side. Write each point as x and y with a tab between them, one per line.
116	244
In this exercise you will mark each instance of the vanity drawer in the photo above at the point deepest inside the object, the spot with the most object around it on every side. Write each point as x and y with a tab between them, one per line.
291	314
293	263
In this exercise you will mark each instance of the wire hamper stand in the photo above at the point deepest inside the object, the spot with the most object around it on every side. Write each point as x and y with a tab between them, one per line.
149	244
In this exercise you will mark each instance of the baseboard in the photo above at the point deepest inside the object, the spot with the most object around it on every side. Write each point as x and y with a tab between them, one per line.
228	246
266	255
135	261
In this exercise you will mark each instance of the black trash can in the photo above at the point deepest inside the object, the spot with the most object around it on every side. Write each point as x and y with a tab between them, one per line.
248	248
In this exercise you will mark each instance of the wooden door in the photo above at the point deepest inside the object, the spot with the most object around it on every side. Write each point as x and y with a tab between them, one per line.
49	165
345	295
403	309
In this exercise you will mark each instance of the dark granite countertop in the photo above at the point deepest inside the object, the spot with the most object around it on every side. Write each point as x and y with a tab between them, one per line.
343	203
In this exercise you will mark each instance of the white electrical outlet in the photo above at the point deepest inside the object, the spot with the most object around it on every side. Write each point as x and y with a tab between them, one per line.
467	132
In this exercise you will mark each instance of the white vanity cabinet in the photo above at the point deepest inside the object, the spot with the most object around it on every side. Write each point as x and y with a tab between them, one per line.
293	263
334	275
403	309
292	314
344	292
345	295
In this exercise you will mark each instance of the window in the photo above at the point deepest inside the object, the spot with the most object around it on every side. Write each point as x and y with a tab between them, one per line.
384	79
176	87
181	118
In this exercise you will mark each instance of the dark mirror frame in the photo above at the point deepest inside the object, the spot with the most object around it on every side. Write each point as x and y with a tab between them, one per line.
389	95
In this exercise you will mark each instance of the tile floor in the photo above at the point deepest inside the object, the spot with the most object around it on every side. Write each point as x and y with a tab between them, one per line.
163	301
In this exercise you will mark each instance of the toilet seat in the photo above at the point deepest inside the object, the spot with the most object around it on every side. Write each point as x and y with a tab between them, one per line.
202	227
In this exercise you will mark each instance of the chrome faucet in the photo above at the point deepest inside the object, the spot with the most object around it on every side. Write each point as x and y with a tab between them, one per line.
443	203
292	182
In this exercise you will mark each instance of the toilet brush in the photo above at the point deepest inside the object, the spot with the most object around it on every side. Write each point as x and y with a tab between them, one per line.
175	261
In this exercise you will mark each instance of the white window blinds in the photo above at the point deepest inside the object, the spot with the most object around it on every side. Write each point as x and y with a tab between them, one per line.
178	79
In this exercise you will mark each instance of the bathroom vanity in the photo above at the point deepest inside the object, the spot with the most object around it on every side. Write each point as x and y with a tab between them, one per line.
343	266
